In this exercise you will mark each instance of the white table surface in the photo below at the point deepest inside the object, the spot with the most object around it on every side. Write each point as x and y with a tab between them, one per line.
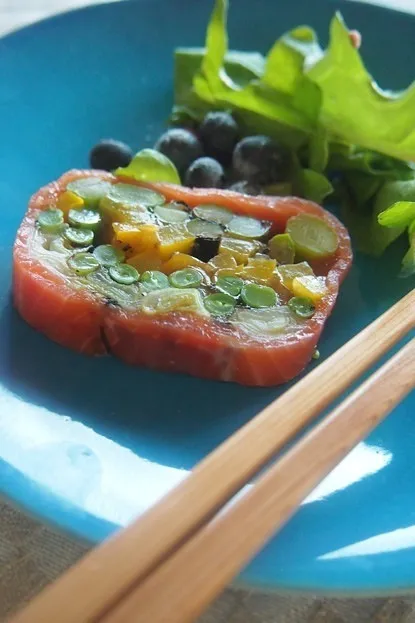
31	555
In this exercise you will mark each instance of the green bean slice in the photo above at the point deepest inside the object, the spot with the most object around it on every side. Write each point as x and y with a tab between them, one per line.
107	255
302	307
79	237
230	285
186	278
89	219
219	304
154	280
83	263
51	220
124	274
255	295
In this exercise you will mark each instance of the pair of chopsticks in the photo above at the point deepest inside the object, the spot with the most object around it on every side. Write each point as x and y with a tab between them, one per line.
170	564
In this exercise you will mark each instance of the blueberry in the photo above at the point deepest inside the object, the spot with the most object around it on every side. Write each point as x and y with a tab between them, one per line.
181	146
246	188
109	154
205	173
219	134
261	160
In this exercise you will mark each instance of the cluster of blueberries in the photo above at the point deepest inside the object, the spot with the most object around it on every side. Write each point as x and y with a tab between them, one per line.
211	155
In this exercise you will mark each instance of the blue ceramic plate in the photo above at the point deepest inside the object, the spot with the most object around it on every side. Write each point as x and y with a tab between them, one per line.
88	444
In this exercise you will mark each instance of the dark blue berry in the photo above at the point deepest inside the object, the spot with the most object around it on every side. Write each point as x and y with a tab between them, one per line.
260	160
180	146
205	173
219	134
109	154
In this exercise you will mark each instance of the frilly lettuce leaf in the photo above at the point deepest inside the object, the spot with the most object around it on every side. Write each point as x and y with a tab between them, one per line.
355	108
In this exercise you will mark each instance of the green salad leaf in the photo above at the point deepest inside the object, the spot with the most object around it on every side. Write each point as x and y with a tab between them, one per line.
337	123
149	165
355	108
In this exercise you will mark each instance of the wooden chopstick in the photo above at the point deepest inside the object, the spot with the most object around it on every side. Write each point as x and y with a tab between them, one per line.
181	588
136	551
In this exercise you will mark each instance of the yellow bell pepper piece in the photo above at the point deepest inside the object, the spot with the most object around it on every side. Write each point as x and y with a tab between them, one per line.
182	260
288	272
69	200
174	239
133	239
146	260
223	261
241	250
310	287
259	269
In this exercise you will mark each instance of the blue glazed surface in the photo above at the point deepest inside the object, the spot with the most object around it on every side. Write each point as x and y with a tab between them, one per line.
89	444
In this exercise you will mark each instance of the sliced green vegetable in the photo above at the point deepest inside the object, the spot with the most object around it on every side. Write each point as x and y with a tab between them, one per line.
312	237
154	280
247	227
270	321
205	229
281	248
132	196
230	285
51	220
89	219
186	278
255	295
170	214
213	213
316	354
90	189
79	237
174	300
124	274
220	304
83	263
107	255
304	308
149	165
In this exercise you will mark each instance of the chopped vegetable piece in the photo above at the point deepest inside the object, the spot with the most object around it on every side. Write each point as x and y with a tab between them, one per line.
205	247
186	278
132	239
267	322
281	248
247	227
310	287
213	213
174	238
303	307
170	214
199	227
183	260
312	237
288	272
89	219
230	285
131	196
124	273
51	221
220	304
255	295
79	237
90	189
149	165
316	354
223	261
154	280
146	260
259	269
174	300
241	250
83	263
107	255
68	200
